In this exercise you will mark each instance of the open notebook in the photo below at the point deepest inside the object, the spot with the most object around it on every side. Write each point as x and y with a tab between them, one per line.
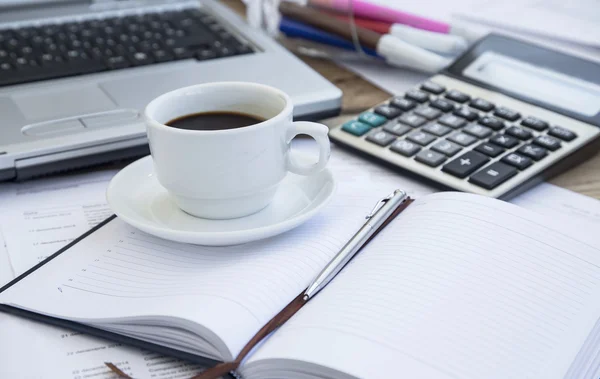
457	286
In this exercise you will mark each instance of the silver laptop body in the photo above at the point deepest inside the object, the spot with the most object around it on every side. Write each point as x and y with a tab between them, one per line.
59	124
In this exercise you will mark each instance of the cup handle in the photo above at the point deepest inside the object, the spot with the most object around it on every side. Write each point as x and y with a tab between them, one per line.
319	133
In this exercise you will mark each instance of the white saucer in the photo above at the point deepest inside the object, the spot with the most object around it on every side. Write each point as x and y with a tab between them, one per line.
135	195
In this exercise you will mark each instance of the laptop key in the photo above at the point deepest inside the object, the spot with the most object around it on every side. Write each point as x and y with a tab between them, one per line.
493	175
466	164
183	53
117	62
161	56
204	54
139	58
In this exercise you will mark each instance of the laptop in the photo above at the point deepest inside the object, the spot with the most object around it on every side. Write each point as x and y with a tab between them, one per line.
74	75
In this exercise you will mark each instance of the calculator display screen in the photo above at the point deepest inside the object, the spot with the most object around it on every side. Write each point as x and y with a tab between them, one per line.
539	83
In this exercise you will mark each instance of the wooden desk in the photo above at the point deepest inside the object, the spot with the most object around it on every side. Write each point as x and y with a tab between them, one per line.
360	95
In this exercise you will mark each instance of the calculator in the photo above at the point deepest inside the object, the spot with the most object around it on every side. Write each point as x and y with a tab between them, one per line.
504	116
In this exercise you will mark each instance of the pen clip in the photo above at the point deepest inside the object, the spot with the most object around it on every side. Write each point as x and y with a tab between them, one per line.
380	204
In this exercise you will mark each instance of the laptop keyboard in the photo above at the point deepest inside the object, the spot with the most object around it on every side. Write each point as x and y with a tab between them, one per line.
75	48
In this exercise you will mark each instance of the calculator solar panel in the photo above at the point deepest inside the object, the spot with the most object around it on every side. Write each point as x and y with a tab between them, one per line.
462	136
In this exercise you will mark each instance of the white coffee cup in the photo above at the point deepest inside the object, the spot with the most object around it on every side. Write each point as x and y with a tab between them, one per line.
228	173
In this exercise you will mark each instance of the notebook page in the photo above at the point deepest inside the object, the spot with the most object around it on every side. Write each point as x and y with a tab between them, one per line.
41	216
232	291
458	286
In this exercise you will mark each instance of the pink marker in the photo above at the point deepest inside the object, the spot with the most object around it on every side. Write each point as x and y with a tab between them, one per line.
365	9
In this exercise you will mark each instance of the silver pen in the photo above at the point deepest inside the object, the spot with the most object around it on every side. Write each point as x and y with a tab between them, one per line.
383	209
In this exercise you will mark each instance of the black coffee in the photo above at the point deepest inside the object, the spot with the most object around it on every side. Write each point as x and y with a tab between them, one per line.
214	121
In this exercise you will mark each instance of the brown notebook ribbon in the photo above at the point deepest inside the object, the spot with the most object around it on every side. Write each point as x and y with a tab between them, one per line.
281	318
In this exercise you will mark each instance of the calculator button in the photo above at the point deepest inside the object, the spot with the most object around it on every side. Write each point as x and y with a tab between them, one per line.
482	105
443	105
507	114
446	147
534	123
355	127
430	158
466	164
406	148
381	138
388	112
504	141
489	149
478	131
519	161
433	88
397	128
457	96
462	139
372	119
532	151
493	175
452	121
492	123
562	133
548	142
466	113
416	95
428	113
421	138
412	120
520	133
403	104
437	129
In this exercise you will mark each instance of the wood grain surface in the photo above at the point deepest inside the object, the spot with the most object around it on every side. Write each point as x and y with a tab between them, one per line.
360	95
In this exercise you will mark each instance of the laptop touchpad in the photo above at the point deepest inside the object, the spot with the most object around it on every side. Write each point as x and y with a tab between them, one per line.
41	105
